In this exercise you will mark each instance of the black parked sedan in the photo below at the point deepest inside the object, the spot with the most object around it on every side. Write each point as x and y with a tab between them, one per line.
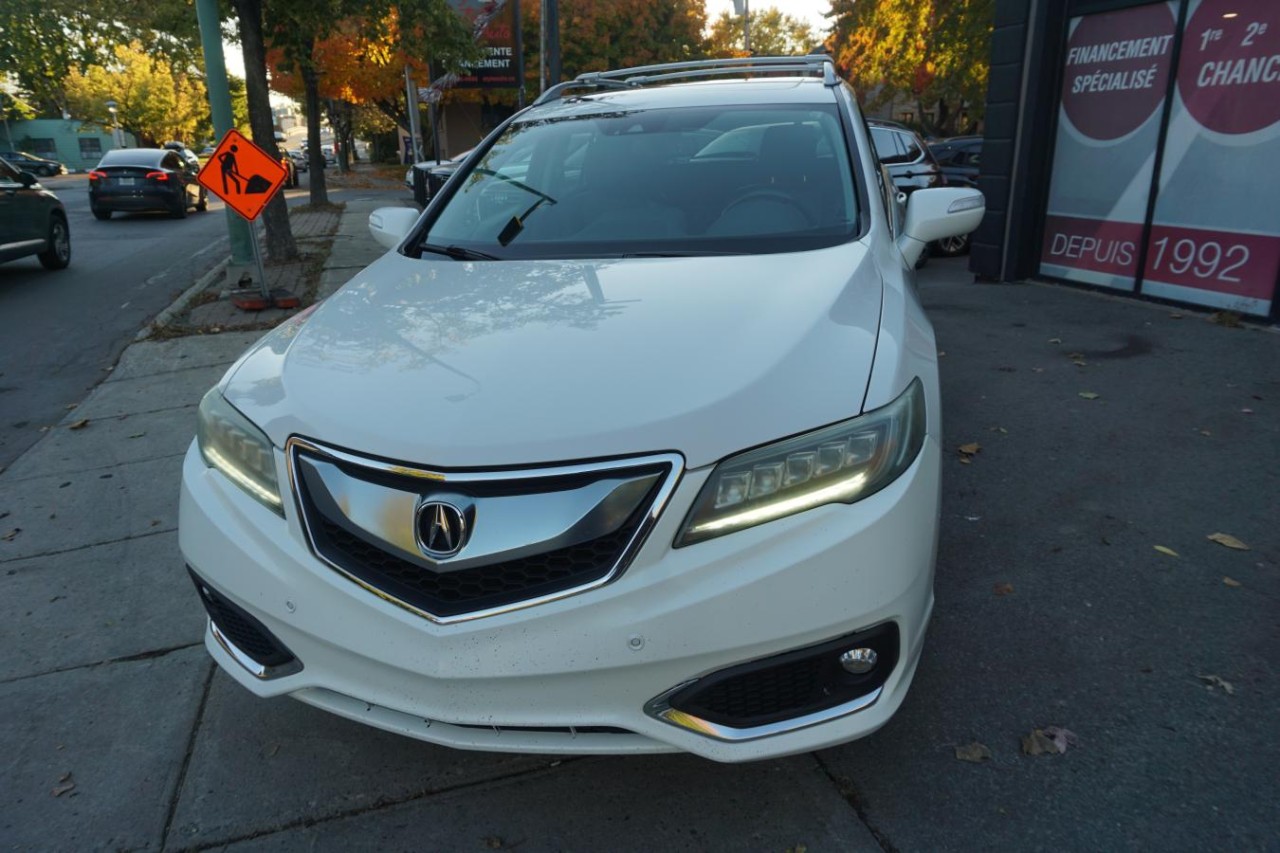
32	220
133	179
36	165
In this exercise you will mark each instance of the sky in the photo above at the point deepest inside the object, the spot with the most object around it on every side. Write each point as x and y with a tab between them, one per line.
808	10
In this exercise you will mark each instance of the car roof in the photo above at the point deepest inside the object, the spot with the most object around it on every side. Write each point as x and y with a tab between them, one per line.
702	93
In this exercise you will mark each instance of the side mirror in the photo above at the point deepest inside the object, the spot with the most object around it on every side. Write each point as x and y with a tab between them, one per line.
27	179
390	225
937	213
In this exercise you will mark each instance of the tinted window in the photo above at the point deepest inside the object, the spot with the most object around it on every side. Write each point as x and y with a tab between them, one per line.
690	180
132	157
886	142
910	147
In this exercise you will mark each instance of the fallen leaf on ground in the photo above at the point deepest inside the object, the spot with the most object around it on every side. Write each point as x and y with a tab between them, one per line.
799	848
1038	369
8	537
1055	340
72	406
973	518
1166	551
1000	430
1205	432
1213	681
1227	540
64	785
1230	581
1176	316
974	752
1230	319
137	435
1089	395
493	842
970	449
1062	738
80	424
1039	743
1246	411
941	354
965	460
1002	588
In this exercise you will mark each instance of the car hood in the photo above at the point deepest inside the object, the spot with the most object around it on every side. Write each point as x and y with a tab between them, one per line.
456	364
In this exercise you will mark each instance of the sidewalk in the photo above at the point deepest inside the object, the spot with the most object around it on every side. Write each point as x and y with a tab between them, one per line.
1054	608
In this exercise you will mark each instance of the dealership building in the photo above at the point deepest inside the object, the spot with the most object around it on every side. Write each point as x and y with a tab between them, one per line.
1135	147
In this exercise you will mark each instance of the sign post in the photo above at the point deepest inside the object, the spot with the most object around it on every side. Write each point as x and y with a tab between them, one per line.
245	177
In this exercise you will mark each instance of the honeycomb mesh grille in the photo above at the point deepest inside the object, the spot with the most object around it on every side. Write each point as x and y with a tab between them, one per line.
790	685
246	633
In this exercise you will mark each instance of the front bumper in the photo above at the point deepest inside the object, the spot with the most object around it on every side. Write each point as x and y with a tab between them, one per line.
580	675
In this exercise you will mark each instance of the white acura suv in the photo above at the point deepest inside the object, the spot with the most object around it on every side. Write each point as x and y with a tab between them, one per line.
630	443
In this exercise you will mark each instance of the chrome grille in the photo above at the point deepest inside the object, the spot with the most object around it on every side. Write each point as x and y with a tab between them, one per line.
539	534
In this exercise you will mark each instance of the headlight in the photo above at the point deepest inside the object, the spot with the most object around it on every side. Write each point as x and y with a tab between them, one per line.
842	463
231	443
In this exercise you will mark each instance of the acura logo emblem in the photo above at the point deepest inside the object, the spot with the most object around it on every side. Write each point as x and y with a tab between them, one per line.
442	529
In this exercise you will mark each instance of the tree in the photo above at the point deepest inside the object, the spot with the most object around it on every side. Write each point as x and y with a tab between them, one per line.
45	40
280	243
152	99
772	34
596	35
934	51
356	52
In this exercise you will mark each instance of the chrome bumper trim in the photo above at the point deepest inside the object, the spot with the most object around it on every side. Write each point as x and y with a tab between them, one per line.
660	709
257	670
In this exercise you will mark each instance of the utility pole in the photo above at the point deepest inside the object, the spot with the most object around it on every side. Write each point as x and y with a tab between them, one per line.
215	74
411	102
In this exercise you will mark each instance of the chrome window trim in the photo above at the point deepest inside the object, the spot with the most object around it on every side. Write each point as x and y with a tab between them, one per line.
257	670
676	469
660	709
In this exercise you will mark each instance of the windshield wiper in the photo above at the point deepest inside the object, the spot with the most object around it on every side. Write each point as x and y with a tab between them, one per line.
458	253
695	253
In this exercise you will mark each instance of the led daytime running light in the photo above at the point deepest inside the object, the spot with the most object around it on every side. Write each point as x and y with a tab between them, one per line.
842	463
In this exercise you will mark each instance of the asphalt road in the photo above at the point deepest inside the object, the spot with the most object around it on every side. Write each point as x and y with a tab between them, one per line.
63	330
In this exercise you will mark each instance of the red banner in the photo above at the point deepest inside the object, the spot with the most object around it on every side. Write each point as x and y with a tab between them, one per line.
1220	261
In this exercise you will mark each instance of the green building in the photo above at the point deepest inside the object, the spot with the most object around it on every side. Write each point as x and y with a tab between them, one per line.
77	145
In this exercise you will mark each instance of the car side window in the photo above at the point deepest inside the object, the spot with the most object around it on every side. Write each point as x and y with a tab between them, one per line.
171	161
886	143
910	148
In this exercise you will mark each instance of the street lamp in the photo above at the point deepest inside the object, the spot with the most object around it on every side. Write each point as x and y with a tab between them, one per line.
116	137
743	8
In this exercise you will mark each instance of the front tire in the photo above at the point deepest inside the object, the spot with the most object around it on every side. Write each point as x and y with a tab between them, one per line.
179	209
58	255
203	203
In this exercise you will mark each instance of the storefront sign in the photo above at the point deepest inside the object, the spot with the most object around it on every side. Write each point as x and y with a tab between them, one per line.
1215	236
1116	76
497	69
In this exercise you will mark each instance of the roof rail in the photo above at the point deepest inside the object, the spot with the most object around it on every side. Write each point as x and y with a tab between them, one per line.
643	75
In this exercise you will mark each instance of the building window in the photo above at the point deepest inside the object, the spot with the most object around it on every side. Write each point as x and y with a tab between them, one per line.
43	147
90	147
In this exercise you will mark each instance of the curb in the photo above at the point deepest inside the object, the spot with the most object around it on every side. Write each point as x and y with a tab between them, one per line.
180	304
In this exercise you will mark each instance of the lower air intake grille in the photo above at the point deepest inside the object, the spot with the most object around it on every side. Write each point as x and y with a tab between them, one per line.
248	634
789	685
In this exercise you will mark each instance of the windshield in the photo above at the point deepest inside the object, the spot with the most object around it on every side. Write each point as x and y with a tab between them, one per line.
704	180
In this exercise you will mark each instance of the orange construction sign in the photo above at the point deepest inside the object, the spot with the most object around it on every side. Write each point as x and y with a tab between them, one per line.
242	174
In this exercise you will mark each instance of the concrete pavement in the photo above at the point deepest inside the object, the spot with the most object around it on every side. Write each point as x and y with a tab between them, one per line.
1054	609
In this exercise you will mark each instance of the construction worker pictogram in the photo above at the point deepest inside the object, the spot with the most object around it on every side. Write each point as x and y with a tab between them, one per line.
242	174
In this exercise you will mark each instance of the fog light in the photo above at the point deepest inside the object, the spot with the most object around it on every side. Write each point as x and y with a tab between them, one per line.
858	661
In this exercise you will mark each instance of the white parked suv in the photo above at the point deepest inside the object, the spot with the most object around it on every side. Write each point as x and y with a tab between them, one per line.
629	444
